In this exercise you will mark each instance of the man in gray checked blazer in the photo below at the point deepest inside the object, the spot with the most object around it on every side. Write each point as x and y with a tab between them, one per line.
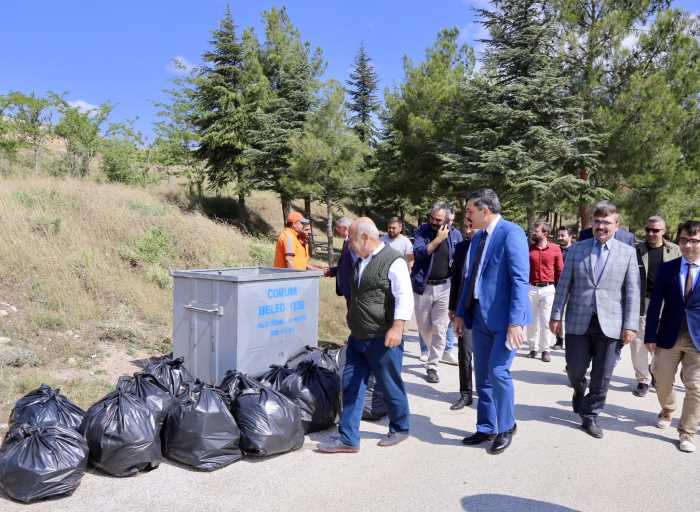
600	289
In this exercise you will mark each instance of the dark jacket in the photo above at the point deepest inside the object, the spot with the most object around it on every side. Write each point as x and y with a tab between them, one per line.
621	235
422	261
671	252
461	250
663	327
343	272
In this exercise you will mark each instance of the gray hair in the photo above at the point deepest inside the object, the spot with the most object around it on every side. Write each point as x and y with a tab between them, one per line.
485	198
655	219
441	205
367	226
343	221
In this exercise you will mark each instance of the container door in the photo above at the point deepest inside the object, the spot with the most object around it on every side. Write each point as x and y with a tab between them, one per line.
204	314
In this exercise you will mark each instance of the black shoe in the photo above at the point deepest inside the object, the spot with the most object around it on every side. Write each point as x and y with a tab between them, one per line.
532	354
432	376
502	441
576	402
591	427
546	357
478	438
642	389
464	401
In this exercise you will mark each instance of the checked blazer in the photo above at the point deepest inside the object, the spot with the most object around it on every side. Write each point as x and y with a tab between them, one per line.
616	295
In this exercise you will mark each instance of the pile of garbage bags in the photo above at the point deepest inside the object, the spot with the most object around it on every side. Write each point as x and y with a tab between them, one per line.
164	411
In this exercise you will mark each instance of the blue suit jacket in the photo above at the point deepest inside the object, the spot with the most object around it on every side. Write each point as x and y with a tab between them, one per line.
662	327
505	277
343	272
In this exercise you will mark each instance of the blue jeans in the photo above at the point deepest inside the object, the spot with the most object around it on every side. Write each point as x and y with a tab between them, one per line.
451	340
363	357
495	411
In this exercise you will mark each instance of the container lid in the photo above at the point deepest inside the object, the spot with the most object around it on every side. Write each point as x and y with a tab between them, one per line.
244	274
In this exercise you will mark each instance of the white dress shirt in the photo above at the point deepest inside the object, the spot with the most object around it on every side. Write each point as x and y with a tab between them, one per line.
694	271
489	230
400	284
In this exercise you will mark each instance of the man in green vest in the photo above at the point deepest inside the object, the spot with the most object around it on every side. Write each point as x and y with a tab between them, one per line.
381	302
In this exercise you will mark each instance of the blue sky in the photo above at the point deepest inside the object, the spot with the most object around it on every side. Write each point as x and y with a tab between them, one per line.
122	51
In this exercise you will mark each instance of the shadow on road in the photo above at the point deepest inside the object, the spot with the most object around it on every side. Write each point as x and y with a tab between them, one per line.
501	502
423	429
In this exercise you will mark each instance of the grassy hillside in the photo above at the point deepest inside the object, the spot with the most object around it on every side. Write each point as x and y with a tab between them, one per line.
84	285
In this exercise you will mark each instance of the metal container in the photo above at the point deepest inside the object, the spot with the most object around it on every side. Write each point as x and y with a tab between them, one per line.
242	319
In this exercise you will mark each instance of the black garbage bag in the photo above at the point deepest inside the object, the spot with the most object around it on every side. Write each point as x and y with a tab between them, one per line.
46	406
270	422
122	434
42	461
147	387
375	407
200	430
171	373
323	357
316	390
274	376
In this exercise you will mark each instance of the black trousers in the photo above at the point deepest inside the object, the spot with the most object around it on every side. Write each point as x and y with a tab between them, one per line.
603	352
464	359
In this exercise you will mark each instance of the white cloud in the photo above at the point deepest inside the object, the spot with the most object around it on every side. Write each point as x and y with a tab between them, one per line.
83	106
180	66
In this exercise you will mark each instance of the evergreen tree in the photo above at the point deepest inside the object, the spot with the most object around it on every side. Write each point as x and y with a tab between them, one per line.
417	120
292	72
218	107
363	104
327	155
522	132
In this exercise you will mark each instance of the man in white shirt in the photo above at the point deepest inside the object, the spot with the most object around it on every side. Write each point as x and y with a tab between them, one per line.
397	241
381	302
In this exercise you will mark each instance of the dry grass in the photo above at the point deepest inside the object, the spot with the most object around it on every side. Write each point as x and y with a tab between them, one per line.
86	266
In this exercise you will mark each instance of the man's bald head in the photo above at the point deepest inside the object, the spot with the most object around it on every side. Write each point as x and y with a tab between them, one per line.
364	236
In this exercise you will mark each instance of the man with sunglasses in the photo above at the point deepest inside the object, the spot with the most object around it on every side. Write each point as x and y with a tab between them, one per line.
673	334
651	253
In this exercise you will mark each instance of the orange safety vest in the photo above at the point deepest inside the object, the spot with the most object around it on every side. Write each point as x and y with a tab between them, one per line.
288	244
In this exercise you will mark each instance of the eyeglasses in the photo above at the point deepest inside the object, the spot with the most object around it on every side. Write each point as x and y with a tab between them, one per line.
693	242
652	230
602	222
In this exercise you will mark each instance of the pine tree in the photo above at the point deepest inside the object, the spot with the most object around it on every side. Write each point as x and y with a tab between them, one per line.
218	108
363	104
292	70
521	130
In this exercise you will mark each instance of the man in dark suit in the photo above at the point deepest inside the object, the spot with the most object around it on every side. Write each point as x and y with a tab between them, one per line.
464	342
495	306
673	336
343	271
621	235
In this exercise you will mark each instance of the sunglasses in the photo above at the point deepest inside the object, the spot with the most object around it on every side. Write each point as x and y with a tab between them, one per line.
652	230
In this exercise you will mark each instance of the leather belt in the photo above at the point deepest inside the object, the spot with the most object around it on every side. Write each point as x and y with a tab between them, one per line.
542	285
437	281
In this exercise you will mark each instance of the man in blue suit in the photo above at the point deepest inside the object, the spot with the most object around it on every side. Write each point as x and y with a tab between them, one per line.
495	306
673	336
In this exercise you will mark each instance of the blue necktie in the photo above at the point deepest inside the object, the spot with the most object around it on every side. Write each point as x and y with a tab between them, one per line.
599	264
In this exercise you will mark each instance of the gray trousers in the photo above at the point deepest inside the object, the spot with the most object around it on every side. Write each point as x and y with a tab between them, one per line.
432	319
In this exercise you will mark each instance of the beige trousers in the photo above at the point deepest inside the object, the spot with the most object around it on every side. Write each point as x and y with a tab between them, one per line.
665	364
639	353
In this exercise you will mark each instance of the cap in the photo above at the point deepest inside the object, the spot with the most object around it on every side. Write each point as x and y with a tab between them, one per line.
296	217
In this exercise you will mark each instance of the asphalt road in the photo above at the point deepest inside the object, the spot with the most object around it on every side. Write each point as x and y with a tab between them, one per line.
552	466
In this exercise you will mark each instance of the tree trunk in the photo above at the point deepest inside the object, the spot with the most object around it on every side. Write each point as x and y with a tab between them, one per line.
307	214
531	216
242	208
286	203
36	159
329	230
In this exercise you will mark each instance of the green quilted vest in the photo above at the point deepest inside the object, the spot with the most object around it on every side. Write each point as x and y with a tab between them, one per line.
372	303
